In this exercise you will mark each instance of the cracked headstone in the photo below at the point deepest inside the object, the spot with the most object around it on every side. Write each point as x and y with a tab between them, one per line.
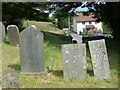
74	61
99	57
31	50
2	33
13	35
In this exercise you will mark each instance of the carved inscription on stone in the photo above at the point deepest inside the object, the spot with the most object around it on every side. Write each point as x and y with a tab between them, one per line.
99	57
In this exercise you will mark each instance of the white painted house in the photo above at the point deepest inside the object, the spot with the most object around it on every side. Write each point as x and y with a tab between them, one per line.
85	24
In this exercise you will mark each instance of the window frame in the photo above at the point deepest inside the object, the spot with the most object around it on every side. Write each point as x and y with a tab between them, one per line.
83	23
90	22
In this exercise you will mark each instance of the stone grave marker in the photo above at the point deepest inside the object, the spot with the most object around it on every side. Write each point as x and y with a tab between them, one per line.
76	38
2	33
74	61
13	35
99	57
31	50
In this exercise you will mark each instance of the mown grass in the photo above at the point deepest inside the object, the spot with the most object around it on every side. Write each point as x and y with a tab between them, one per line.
44	26
53	60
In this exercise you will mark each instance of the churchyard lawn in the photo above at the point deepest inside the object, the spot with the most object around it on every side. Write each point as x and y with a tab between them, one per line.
53	66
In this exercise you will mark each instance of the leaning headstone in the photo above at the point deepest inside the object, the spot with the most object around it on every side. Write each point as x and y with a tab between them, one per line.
2	33
99	57
74	61
31	50
76	38
13	35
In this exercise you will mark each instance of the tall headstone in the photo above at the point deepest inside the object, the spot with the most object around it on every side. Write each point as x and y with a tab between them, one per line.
13	35
77	38
99	57
31	50
2	33
74	61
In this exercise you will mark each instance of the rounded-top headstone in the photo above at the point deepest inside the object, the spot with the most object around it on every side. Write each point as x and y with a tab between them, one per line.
31	50
13	35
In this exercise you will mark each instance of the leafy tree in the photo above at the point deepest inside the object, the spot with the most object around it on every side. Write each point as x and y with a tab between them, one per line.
14	13
62	21
108	13
106	28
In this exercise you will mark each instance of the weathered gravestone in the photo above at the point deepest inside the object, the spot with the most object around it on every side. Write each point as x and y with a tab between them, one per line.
99	56
76	38
31	50
2	33
13	35
74	61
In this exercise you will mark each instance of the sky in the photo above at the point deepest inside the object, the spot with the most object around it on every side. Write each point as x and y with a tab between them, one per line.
77	9
81	9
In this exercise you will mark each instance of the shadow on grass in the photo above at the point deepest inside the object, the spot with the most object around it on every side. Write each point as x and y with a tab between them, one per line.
16	67
90	72
53	25
58	73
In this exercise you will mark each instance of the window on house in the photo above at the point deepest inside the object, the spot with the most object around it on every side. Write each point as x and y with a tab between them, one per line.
83	23
90	22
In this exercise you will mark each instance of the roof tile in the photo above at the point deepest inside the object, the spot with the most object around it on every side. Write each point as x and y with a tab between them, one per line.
81	17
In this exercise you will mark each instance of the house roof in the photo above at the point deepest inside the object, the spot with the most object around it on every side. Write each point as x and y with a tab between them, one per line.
90	26
81	18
